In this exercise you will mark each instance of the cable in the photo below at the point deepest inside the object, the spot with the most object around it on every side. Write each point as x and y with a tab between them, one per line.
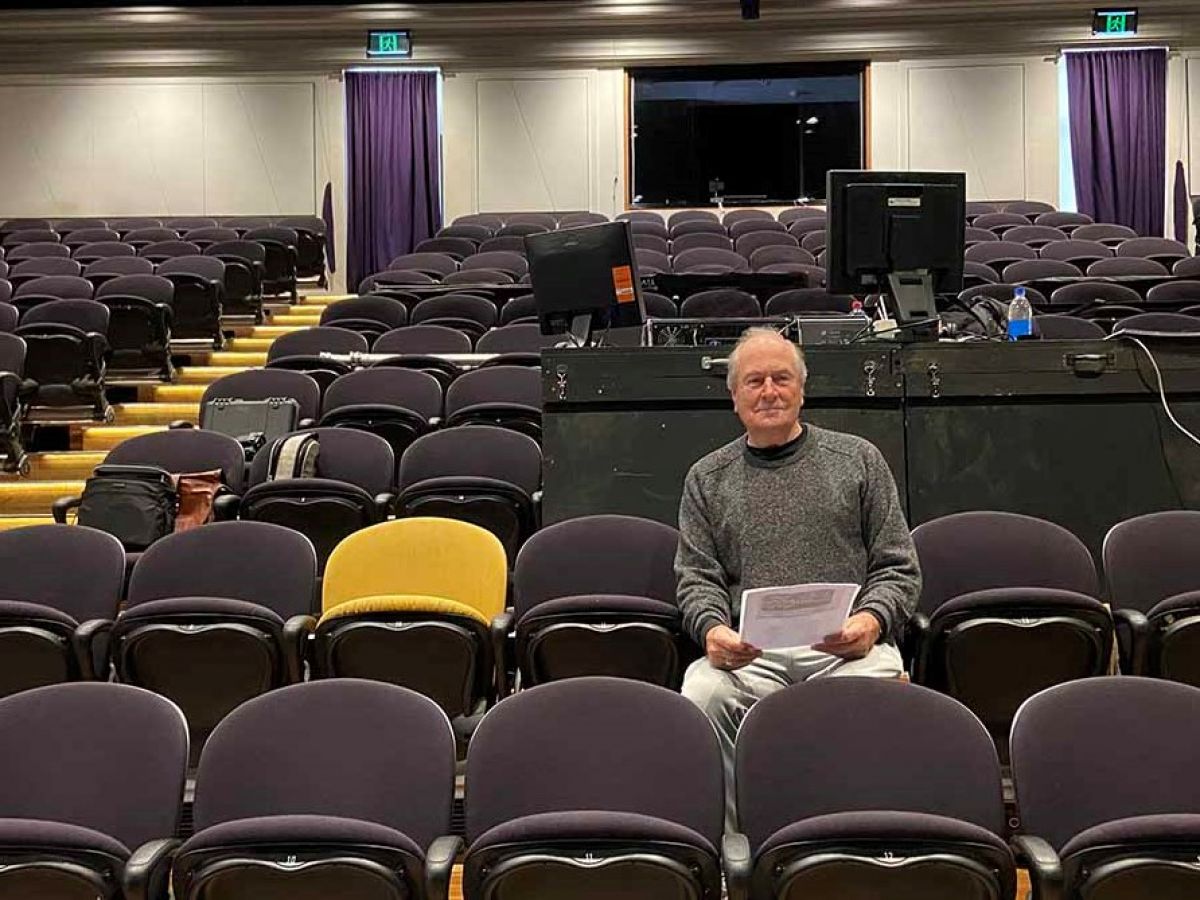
870	329
1162	392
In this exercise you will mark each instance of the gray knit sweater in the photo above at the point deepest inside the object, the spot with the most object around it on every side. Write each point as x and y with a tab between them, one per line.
827	513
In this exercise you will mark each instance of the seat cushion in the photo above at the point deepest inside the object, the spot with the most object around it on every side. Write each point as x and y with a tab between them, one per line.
19	610
875	826
404	603
593	825
222	607
30	833
620	604
277	831
1176	828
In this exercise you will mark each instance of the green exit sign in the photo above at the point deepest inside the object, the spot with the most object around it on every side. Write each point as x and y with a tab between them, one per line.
394	44
1115	23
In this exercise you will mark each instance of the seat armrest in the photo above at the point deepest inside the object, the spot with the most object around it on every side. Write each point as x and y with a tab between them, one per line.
501	628
738	863
1045	868
1133	634
435	422
63	505
306	423
296	632
439	864
180	423
916	631
89	637
226	507
148	872
385	504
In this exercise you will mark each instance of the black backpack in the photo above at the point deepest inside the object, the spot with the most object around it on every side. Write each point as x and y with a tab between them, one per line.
135	504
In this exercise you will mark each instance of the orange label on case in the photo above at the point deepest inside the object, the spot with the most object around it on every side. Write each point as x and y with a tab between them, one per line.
623	284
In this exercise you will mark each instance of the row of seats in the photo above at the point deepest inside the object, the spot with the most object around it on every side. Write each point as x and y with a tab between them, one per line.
600	788
997	587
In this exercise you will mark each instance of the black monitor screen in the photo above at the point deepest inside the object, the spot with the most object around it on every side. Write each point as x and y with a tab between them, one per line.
743	134
590	270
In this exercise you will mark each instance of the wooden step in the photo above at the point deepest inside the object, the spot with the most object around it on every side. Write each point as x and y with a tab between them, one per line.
105	437
250	345
156	413
8	523
20	498
245	360
323	299
295	320
175	393
205	374
274	331
58	466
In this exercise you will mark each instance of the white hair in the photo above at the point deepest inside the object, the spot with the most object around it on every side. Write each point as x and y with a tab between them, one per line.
762	333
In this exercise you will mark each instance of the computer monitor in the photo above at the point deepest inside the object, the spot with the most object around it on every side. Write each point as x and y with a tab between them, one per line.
585	279
897	233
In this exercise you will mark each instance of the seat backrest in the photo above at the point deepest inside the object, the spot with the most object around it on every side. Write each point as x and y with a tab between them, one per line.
510	243
1028	207
12	354
1034	235
274	234
1101	749
748	243
81	236
808	300
417	391
640	215
580	219
44	266
857	771
710	256
607	554
1067	221
189	223
490	221
1153	248
655	260
720	302
1182	291
1093	291
384	754
242	224
482	276
135	223
419	556
1187	268
780	253
495	384
1033	269
681	243
249	251
1000	221
1052	327
518	337
267	384
142	236
1152	557
740	229
37	250
185	450
974	235
255	562
313	341
312	224
31	236
423	339
476	451
651	242
1001	292
105	250
65	287
154	288
79	571
355	457
434	263
474	309
455	247
86	315
795	213
387	311
1103	232
109	757
990	251
8	320
210	235
975	551
1159	321
512	263
520	229
169	249
1075	251
1126	265
207	267
698	226
596	744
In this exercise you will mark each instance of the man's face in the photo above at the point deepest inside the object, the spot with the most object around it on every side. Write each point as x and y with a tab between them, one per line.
767	394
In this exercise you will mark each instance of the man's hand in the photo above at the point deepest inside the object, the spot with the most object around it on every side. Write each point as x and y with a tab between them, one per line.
858	635
725	649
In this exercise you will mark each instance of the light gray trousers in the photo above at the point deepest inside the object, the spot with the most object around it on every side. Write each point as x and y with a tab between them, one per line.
725	697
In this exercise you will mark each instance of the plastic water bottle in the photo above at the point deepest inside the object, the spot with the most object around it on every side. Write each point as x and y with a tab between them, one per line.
1020	315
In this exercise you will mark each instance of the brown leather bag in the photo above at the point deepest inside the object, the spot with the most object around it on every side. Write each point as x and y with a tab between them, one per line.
197	491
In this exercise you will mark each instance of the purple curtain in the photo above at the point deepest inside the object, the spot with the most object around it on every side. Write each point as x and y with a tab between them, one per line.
330	233
393	196
1182	203
1118	101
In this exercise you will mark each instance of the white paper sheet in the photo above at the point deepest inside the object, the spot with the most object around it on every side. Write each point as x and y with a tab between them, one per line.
799	615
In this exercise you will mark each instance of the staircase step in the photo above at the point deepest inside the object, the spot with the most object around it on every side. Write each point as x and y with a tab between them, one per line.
58	466
34	497
291	319
177	393
8	523
156	413
322	299
105	437
205	374
274	331
250	345
245	360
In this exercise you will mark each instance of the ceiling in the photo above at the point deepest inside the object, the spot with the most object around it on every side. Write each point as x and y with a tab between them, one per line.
540	34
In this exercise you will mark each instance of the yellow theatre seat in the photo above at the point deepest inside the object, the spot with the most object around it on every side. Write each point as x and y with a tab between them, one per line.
413	602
